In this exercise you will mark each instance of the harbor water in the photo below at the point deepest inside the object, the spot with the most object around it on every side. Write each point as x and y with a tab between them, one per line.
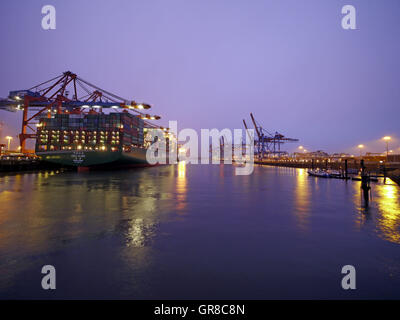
196	232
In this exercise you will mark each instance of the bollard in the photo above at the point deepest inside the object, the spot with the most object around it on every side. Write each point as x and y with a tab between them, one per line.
384	174
365	188
365	183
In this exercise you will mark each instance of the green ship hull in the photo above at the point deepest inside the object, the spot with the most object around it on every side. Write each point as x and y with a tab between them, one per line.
92	158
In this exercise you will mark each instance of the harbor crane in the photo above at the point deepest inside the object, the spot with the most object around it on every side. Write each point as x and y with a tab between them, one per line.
267	144
52	97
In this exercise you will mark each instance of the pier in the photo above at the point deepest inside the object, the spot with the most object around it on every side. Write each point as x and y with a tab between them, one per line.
17	163
375	168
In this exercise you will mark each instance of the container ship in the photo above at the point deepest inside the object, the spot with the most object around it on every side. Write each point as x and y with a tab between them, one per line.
93	139
92	128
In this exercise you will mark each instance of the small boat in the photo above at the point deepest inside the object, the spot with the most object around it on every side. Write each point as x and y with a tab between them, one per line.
318	173
334	174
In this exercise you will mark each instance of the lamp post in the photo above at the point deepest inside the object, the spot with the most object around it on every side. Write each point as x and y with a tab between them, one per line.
387	139
360	146
300	148
9	142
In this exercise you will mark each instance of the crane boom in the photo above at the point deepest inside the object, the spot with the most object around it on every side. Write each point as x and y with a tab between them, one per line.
268	144
247	130
51	97
255	125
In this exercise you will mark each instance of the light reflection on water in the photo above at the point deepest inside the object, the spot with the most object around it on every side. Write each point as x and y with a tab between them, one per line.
181	185
389	208
383	209
302	195
144	228
140	232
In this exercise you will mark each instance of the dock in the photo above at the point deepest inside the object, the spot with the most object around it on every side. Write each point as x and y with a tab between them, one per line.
23	163
375	169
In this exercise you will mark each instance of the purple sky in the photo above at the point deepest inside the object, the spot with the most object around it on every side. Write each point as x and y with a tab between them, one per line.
210	63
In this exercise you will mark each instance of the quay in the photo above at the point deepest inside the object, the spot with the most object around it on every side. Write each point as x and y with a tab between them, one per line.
377	167
17	163
352	165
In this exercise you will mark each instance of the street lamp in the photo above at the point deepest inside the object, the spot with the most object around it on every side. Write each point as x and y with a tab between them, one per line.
387	139
301	148
9	142
360	146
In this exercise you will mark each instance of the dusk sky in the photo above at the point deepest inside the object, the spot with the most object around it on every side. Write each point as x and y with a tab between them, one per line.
209	63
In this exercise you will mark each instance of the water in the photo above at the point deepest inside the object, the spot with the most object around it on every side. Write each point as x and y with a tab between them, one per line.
197	231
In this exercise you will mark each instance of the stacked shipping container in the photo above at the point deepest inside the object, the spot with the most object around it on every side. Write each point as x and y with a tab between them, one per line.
92	131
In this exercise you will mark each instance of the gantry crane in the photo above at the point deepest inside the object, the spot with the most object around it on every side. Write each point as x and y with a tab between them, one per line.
267	144
52	96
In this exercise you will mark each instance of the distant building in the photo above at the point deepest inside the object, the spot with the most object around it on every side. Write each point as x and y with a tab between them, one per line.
373	154
340	155
313	154
392	158
319	154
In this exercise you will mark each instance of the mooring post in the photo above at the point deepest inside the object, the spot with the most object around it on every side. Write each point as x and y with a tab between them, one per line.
345	169
384	173
365	180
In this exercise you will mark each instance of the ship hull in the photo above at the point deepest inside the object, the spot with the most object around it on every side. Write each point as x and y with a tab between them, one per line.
89	158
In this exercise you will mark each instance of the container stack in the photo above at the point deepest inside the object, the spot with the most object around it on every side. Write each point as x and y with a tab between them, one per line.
92	131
